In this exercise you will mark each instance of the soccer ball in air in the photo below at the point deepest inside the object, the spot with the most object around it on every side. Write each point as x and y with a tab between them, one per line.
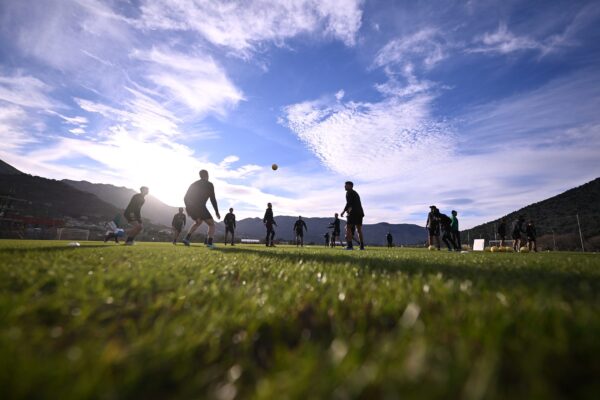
274	167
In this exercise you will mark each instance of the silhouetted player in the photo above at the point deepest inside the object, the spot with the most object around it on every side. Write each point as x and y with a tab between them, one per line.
355	216
133	214
335	225
178	223
229	221
531	236
269	222
433	226
517	232
455	230
326	236
299	228
390	240
446	225
502	231
195	204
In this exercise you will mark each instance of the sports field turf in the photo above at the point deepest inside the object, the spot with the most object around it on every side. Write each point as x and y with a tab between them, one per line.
158	321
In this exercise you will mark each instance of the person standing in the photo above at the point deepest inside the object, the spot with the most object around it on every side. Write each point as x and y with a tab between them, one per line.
230	226
433	226
195	204
517	232
355	216
133	214
299	228
269	222
390	240
455	232
335	235
178	223
531	236
502	231
326	236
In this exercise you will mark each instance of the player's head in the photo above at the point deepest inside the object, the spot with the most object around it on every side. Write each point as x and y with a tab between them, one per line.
454	213
180	210
203	174
144	190
269	205
336	215
231	210
299	216
432	208
348	185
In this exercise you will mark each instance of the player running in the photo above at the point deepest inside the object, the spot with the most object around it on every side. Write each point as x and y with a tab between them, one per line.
177	224
355	216
299	228
133	214
195	204
269	222
389	239
335	235
433	226
229	221
446	225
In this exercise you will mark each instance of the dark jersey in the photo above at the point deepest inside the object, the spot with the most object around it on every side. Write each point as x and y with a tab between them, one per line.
432	220
353	204
299	225
389	237
530	231
229	220
502	229
445	222
135	206
179	220
197	195
518	226
268	218
335	225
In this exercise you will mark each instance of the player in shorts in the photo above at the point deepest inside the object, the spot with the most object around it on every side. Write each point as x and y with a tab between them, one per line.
299	228
229	222
502	231
517	231
133	214
433	226
335	235
195	204
355	216
178	223
531	233
269	222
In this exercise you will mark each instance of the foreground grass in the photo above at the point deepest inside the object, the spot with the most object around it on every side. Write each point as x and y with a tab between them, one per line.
159	321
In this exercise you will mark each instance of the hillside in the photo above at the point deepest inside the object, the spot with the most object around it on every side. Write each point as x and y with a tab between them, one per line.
54	199
558	214
154	209
6	169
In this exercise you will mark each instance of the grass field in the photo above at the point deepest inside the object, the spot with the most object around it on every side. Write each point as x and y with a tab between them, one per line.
157	321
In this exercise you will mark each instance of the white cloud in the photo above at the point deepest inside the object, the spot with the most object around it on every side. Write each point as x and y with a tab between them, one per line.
242	25
25	91
426	46
503	41
197	82
13	120
370	140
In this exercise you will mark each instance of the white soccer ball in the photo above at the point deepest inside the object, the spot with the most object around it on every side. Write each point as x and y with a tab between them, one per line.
74	244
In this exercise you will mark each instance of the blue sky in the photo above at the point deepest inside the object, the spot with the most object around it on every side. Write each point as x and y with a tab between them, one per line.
479	106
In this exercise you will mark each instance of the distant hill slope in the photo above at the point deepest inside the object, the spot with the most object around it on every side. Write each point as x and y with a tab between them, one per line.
154	209
55	199
556	214
374	234
6	169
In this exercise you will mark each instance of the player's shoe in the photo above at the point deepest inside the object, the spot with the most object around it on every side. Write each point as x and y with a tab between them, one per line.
211	246
185	242
348	248
129	243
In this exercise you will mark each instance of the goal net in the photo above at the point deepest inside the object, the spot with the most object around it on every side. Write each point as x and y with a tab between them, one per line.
72	234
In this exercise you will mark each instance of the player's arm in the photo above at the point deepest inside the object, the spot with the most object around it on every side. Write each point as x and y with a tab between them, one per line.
213	201
234	225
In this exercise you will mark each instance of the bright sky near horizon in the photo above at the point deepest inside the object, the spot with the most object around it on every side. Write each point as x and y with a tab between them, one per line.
479	106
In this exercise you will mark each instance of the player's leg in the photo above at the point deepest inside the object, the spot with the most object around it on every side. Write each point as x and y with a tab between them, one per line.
360	236
188	236
133	232
232	237
210	232
349	236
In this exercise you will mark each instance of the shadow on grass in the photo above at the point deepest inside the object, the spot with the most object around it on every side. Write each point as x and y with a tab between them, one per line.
573	283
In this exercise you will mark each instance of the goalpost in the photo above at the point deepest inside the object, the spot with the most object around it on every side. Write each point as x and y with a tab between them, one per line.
72	234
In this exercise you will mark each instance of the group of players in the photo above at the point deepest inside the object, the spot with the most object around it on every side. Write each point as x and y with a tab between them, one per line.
520	230
203	190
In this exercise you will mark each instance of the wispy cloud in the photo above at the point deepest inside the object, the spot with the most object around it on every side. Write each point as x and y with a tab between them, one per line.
243	25
25	91
425	46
